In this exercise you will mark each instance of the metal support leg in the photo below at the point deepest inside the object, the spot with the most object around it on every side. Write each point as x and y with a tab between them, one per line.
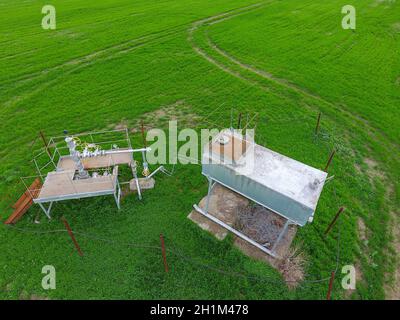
46	211
145	164
210	186
280	235
117	195
134	173
229	228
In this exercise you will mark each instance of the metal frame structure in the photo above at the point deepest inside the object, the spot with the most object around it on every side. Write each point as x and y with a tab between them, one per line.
115	191
211	183
110	181
215	171
55	141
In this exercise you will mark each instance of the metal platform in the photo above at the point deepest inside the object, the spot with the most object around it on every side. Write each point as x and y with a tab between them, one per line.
59	186
280	184
61	174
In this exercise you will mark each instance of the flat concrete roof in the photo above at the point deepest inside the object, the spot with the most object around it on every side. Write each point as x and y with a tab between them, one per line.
280	173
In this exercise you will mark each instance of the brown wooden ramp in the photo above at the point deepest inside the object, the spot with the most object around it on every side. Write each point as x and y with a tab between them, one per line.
25	202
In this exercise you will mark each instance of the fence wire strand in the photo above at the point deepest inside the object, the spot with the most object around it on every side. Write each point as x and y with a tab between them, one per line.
194	260
177	252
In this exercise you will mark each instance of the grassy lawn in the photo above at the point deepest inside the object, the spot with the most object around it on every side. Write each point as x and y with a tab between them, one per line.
114	62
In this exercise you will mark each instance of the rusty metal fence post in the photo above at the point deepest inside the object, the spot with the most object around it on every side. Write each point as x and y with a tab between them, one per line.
71	234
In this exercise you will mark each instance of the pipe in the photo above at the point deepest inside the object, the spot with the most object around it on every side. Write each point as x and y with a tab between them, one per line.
83	174
160	168
128	150
239	234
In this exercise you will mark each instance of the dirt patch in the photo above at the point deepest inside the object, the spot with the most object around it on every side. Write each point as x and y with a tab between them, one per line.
122	125
258	225
392	291
291	261
371	163
396	27
358	168
125	191
144	183
25	295
223	205
359	273
159	118
131	188
362	230
178	111
377	3
36	297
65	33
292	266
373	170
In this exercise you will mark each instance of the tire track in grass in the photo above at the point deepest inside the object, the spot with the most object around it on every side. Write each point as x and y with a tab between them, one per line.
122	47
294	87
375	133
45	80
119	48
93	57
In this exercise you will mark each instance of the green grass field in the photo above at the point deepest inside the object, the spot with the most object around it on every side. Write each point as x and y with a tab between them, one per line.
110	63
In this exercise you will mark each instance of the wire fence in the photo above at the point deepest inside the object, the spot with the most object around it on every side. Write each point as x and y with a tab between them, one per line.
194	261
